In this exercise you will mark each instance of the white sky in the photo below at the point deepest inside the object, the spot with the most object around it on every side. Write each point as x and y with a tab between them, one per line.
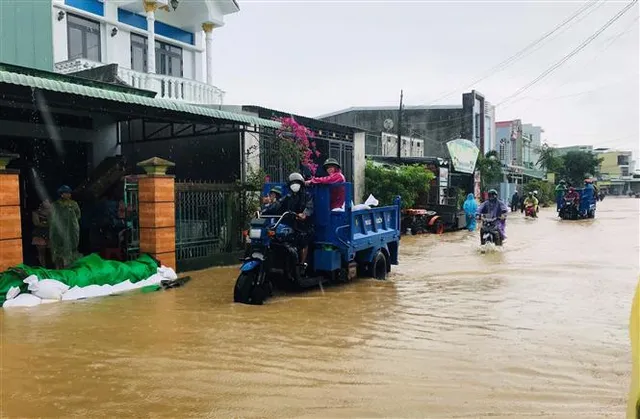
314	57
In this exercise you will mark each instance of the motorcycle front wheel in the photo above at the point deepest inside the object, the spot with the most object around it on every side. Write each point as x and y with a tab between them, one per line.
247	289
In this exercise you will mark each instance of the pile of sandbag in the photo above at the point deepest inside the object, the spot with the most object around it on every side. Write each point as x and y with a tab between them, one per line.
42	291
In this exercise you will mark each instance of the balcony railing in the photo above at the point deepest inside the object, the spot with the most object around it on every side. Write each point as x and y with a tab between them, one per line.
166	87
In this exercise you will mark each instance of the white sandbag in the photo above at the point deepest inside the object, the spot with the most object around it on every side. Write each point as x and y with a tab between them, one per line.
155	279
49	301
12	293
123	286
49	289
361	207
22	300
75	293
371	201
167	273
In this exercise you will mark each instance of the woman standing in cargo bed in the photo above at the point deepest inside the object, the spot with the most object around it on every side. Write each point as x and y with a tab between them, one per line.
64	230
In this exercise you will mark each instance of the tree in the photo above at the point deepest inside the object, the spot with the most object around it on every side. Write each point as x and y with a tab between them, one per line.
490	169
578	165
411	182
549	160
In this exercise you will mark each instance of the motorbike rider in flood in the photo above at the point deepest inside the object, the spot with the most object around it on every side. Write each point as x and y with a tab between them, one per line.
532	201
299	201
495	208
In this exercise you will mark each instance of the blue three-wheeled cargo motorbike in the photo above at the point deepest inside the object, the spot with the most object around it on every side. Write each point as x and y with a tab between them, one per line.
347	242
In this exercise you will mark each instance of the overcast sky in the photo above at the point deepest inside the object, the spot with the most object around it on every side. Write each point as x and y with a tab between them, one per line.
314	57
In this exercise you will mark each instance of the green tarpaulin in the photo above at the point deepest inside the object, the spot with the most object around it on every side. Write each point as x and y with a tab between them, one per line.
89	270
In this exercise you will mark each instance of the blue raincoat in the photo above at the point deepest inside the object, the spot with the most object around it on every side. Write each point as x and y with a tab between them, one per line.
470	207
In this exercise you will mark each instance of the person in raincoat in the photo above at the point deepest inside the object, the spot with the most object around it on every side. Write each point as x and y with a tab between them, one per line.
633	404
275	193
561	189
470	207
64	229
495	208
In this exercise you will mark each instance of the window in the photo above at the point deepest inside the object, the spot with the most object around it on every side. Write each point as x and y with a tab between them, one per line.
83	36
168	59
623	160
138	53
624	171
503	151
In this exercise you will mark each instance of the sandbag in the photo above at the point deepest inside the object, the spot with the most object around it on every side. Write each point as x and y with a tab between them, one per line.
167	273
48	289
12	293
22	300
89	270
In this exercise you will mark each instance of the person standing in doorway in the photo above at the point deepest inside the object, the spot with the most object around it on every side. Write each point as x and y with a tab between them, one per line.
40	236
64	229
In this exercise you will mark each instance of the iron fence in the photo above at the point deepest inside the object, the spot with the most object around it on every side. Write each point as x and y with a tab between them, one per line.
210	218
278	169
132	232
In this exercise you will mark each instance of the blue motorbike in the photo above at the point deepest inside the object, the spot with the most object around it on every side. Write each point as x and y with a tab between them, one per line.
271	258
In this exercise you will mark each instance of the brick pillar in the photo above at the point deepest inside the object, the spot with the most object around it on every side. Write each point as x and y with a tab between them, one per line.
10	222
157	211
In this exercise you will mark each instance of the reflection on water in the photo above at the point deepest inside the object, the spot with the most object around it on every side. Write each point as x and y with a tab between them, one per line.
538	329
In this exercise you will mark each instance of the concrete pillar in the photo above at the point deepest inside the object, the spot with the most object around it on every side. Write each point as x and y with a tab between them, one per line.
11	224
208	31
150	7
156	197
359	163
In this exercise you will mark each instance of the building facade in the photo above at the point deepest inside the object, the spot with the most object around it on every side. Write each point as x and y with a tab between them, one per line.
165	46
386	144
435	125
615	174
489	128
531	145
26	48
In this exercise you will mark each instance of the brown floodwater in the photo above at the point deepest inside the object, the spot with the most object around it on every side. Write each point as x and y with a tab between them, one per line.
537	330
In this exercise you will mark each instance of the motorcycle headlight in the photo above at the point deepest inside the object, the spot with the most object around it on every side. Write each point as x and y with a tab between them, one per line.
255	233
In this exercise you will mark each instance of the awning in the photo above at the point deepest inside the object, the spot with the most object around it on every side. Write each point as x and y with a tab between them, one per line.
65	84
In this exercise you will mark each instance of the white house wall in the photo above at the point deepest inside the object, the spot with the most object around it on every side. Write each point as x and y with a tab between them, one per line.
359	164
117	49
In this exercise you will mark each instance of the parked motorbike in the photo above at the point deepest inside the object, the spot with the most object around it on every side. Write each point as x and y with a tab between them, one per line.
489	232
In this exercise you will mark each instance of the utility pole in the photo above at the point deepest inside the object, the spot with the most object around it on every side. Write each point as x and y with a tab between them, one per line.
400	128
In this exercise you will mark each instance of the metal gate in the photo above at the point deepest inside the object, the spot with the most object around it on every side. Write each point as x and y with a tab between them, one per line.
210	218
131	218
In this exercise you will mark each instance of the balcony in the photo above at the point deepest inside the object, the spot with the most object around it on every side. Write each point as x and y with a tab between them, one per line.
166	87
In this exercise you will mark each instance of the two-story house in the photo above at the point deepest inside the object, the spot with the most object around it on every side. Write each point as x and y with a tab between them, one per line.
165	46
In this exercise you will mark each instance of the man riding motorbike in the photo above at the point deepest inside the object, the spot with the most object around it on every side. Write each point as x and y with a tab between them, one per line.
572	195
494	208
531	201
300	202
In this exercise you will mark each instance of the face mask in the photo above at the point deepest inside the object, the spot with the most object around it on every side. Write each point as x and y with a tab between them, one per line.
295	187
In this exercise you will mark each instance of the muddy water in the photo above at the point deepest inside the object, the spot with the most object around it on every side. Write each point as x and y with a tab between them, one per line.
539	329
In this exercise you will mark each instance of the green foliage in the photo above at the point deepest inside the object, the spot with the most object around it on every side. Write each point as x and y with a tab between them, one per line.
410	182
490	169
546	191
461	196
574	166
549	160
578	165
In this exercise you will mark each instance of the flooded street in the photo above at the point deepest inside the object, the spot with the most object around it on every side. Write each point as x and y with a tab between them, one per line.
537	330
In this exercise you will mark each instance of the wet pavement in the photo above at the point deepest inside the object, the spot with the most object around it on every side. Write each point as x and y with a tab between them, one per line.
536	330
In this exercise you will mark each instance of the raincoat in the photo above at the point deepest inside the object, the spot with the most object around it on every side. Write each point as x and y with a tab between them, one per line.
64	231
494	209
633	404
560	191
470	207
337	194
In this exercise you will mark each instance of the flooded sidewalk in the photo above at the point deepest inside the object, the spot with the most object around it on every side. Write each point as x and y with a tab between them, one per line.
539	329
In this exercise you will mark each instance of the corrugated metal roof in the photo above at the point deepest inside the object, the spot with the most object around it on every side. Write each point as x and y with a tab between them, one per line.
94	92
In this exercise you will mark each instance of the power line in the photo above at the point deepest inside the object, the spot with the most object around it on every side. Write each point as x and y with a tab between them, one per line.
567	57
523	52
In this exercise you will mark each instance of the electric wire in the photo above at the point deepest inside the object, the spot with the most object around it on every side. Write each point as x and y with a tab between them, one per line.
567	57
